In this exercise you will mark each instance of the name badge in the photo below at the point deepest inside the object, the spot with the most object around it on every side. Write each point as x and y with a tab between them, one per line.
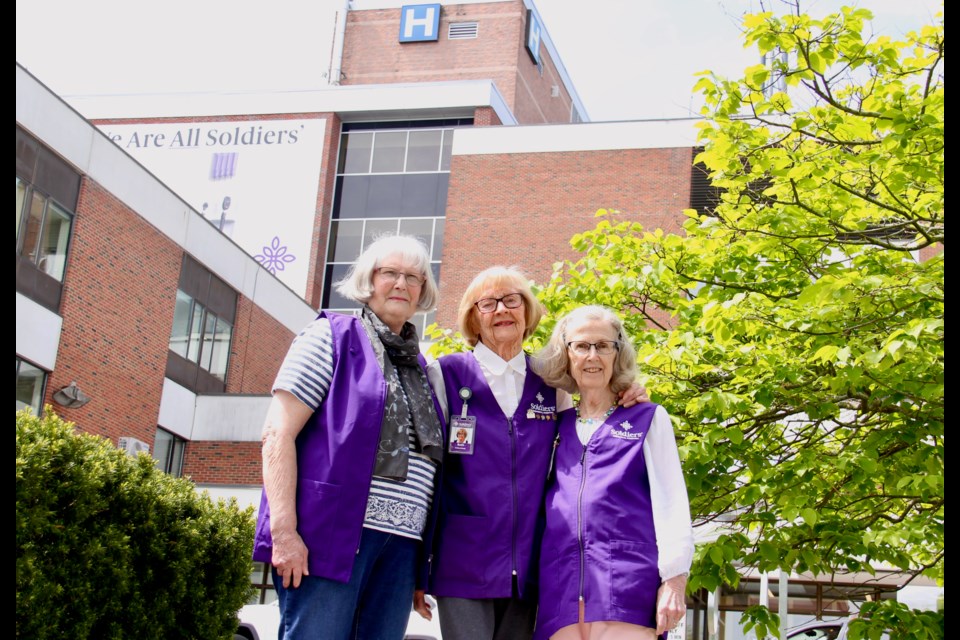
463	430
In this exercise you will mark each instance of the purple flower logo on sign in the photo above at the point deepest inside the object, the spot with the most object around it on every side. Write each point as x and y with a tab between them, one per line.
275	257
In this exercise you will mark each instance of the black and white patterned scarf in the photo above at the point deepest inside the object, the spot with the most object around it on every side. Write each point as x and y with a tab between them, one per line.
409	400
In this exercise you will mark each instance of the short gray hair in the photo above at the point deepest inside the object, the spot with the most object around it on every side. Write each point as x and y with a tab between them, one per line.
357	285
552	362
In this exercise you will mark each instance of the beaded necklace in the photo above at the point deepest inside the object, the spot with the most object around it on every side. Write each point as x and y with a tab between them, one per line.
610	411
586	427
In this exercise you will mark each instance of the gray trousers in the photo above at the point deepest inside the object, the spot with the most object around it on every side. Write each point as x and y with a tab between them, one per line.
487	619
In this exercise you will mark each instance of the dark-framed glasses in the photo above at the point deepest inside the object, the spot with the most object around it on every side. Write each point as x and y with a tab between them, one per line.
489	305
392	275
604	347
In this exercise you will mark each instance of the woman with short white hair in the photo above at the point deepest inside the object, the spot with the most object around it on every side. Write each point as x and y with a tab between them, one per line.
351	446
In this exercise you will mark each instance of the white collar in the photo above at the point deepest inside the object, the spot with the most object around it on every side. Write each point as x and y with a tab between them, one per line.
497	365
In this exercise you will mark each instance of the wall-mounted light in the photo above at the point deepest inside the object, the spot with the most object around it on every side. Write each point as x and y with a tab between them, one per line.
71	397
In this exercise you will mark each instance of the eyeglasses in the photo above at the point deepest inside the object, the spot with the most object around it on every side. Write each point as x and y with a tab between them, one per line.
489	305
392	275
604	347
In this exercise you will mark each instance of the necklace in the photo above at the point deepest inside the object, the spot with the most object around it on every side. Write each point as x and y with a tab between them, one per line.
580	418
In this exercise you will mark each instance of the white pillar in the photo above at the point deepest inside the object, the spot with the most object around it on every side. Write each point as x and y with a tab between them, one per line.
764	591
783	601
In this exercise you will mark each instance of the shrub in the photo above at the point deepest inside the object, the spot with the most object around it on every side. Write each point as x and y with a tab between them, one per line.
108	546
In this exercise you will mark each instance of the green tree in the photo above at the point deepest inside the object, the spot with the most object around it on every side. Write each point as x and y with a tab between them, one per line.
793	333
108	546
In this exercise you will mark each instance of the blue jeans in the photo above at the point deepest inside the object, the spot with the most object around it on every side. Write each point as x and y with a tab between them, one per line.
374	605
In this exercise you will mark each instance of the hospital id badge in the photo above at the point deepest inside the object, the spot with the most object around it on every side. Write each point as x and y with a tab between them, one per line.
463	431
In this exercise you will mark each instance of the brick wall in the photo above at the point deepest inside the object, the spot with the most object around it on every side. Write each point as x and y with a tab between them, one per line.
485	117
223	463
259	344
522	209
373	55
321	222
118	299
534	101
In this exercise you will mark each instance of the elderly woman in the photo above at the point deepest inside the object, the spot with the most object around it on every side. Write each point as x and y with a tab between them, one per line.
351	445
491	496
618	540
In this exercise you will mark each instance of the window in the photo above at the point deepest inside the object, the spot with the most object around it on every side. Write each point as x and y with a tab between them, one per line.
30	386
264	593
168	452
47	193
200	336
391	178
202	331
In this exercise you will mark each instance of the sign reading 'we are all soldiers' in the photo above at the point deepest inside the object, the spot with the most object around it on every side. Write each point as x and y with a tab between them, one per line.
255	180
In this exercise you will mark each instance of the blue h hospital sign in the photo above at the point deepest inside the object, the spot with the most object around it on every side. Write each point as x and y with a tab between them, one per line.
419	22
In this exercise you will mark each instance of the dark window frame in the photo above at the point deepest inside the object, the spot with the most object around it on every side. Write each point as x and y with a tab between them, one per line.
37	409
214	299
43	175
172	462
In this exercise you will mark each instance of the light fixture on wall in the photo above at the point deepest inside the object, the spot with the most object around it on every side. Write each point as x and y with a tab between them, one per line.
71	397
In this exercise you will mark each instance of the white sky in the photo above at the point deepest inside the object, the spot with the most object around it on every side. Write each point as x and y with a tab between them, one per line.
629	59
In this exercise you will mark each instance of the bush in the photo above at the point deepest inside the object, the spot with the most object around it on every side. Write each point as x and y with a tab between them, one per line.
110	547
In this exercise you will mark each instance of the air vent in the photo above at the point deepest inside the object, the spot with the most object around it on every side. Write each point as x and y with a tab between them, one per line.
132	446
462	30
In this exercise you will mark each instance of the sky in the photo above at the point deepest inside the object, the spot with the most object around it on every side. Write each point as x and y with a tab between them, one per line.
628	59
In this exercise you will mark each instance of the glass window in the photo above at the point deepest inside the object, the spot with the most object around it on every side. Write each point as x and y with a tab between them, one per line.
220	347
389	149
355	151
423	153
437	248
52	255
200	336
407	193
421	228
377	228
180	334
46	233
31	234
21	198
44	236
168	452
263	584
447	151
30	384
348	236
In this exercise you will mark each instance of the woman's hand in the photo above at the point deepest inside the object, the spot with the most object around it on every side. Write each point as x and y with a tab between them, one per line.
636	394
289	558
421	605
671	603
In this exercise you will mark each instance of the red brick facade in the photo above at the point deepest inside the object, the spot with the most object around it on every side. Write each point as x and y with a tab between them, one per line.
117	308
236	463
522	209
372	54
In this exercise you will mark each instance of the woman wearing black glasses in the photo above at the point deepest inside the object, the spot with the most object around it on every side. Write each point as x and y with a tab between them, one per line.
483	568
618	541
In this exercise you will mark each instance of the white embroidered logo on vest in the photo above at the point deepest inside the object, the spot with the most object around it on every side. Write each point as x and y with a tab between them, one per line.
625	432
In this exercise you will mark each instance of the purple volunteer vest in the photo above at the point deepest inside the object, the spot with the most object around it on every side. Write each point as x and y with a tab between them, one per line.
336	452
490	502
615	566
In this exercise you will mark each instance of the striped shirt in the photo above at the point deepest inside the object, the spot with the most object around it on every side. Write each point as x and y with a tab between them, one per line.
394	507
